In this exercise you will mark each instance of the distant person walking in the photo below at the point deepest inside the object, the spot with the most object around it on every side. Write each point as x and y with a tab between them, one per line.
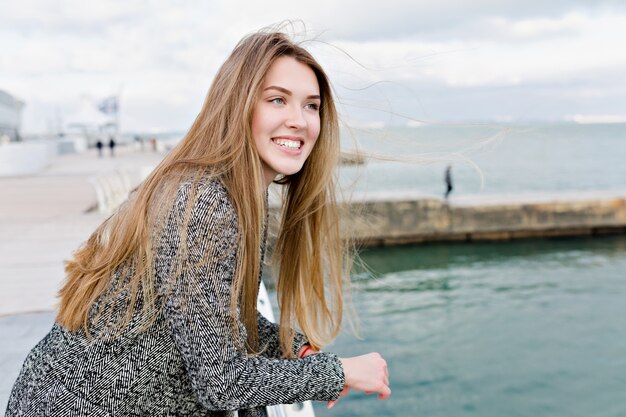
448	179
112	146
99	145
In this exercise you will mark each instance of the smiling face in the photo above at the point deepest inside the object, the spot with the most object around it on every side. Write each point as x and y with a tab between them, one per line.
286	117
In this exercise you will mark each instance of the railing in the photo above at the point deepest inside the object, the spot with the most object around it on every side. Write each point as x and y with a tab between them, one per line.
112	189
304	409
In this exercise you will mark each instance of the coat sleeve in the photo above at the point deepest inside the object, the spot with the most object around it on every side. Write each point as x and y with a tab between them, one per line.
197	310
269	336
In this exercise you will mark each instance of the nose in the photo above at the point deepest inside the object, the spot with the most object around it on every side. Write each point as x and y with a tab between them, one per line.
295	119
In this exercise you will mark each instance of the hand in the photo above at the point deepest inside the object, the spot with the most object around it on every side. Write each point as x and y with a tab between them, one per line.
367	373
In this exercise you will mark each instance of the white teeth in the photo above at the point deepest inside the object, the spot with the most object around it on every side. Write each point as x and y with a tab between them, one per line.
291	144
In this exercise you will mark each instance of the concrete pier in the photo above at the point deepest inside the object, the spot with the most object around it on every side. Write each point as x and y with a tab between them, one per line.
391	219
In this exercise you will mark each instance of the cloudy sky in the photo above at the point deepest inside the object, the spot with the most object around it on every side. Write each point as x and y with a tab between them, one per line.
392	62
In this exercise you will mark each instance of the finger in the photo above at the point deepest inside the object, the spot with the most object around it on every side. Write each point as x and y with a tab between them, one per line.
331	404
386	380
384	393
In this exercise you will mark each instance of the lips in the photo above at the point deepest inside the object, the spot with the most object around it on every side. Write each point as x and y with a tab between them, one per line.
289	144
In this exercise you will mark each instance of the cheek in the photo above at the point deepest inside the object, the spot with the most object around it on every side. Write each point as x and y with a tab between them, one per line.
314	128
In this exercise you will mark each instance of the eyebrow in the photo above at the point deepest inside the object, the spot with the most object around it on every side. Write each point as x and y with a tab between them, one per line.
289	93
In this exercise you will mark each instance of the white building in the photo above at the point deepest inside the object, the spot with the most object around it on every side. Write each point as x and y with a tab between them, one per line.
10	116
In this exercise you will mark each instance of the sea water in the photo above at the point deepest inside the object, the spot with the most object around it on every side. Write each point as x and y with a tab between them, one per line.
489	159
523	328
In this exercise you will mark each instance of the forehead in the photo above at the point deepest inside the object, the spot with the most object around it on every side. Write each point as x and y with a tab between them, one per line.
293	75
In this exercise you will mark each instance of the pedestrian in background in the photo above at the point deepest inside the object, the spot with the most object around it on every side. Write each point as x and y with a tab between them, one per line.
112	146
448	181
99	146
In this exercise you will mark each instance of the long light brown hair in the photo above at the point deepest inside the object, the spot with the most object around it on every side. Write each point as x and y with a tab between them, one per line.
309	253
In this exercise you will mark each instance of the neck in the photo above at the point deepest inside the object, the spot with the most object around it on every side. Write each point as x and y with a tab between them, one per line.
268	175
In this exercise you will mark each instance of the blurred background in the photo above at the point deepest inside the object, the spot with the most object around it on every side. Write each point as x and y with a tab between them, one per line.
525	101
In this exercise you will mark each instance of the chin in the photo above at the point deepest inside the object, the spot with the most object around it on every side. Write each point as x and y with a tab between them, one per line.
289	170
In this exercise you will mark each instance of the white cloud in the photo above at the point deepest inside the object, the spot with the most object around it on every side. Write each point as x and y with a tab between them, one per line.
597	118
164	54
595	45
569	24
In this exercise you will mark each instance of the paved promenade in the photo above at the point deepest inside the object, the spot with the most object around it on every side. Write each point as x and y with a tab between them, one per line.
44	218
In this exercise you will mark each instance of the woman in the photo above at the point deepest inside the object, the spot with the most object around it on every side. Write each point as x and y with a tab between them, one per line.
158	313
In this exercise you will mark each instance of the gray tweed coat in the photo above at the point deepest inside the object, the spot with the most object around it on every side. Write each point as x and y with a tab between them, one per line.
186	364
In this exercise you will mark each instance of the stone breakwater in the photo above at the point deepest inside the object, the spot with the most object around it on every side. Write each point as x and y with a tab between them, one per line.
395	220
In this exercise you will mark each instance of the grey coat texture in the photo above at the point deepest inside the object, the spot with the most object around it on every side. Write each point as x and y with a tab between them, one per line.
186	363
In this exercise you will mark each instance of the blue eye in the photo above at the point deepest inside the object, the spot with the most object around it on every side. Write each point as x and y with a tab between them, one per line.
313	106
277	100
